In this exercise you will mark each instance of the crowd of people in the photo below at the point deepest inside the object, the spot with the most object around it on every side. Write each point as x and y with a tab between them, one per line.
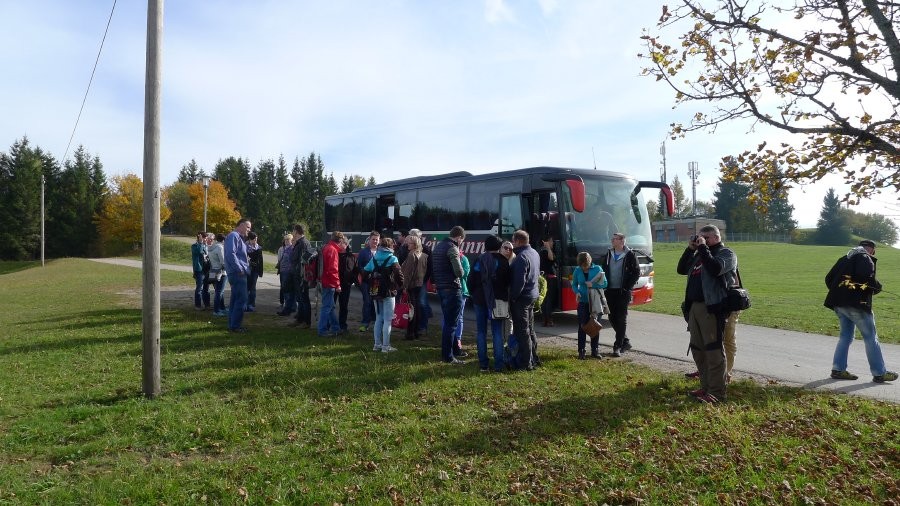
505	285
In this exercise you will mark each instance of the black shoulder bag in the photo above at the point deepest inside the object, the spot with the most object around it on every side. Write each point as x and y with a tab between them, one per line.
737	298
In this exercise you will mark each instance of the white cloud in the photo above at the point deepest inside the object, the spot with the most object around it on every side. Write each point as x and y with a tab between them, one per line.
496	11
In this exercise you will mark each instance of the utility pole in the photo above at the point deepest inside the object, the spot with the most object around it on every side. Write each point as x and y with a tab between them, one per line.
662	178
150	271
205	195
694	172
43	237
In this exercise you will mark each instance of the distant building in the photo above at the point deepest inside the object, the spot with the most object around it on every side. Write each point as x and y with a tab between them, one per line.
681	229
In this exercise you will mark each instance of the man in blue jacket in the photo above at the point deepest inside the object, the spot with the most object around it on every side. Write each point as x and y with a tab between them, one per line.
523	291
237	267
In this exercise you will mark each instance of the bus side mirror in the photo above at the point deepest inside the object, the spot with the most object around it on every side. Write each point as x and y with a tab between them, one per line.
664	188
576	190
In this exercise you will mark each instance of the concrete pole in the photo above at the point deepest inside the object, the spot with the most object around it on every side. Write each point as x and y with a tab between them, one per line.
43	237
150	271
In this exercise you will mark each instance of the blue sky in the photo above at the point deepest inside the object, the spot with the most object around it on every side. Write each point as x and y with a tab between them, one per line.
388	89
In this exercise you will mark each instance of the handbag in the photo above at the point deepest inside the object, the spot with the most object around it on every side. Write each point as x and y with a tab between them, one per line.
591	327
501	310
404	312
737	298
214	276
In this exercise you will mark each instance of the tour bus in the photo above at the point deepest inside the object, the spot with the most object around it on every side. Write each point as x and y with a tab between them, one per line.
578	208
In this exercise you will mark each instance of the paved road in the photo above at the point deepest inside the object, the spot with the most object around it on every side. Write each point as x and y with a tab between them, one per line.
790	358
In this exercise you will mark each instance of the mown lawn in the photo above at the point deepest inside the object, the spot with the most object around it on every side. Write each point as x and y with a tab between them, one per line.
787	285
279	415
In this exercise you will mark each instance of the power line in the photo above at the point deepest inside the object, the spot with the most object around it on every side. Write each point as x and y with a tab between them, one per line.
91	80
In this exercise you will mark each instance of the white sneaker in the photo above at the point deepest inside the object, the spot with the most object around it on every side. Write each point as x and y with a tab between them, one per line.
387	349
376	348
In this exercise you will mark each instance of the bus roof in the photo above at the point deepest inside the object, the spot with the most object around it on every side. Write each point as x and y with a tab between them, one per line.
469	177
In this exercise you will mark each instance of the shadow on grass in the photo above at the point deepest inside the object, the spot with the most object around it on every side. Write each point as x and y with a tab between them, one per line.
44	335
589	416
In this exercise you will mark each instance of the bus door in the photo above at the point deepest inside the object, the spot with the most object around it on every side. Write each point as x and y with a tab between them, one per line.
544	217
544	221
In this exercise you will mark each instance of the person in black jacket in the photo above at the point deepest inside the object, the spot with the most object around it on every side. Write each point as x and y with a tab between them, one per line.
622	272
851	283
255	257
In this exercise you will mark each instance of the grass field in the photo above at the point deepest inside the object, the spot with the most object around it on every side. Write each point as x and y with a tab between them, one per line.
279	415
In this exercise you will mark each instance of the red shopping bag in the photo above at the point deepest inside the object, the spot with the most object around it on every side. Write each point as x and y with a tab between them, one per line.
403	312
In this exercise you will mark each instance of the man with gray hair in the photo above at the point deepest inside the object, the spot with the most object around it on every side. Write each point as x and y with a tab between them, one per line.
523	292
710	267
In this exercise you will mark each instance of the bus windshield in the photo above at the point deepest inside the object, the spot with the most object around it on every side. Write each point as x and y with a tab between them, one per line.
611	205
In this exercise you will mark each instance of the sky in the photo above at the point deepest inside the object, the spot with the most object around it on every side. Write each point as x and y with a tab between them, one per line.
387	89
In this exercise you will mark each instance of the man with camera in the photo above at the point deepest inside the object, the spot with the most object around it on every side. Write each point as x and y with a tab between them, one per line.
710	267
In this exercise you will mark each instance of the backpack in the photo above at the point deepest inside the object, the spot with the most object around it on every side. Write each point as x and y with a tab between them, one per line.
347	269
380	279
542	293
309	263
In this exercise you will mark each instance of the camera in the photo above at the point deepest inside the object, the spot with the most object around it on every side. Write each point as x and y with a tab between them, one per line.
694	238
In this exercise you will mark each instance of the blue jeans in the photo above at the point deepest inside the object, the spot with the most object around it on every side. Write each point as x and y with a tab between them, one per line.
200	291
426	309
304	307
451	309
384	313
238	300
458	329
328	320
852	318
289	293
482	317
219	295
368	308
251	290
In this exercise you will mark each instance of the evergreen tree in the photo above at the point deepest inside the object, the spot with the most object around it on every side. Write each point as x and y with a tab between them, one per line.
314	187
234	174
283	190
54	196
371	181
832	228
20	202
682	206
780	216
732	206
295	199
264	208
190	173
351	182
84	185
